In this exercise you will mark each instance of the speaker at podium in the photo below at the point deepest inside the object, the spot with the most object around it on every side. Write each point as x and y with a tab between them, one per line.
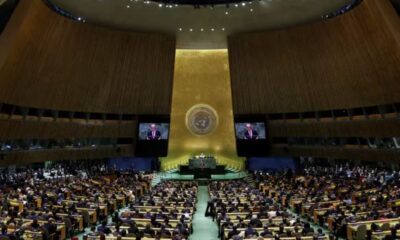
202	161
202	166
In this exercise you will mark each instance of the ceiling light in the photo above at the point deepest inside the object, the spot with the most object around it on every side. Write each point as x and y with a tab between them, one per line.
180	29
236	5
243	4
212	29
128	6
223	29
226	13
202	29
160	5
191	30
251	10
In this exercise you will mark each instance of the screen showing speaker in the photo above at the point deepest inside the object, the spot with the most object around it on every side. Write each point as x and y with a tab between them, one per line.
250	130
153	134
153	131
251	136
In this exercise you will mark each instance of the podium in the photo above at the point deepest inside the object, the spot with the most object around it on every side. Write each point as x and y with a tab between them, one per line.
203	162
202	167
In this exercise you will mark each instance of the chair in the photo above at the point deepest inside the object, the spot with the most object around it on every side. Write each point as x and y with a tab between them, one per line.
385	227
361	233
69	227
52	236
164	235
86	217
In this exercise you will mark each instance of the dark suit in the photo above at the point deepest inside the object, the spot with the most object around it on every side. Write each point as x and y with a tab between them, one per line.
253	137
157	135
104	229
250	232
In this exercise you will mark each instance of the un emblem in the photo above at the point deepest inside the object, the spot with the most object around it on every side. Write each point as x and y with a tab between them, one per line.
201	119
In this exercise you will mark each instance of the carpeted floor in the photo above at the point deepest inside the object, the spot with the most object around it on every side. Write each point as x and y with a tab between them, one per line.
203	227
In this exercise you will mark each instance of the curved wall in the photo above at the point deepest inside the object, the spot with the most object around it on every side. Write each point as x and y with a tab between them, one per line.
51	64
349	61
55	63
334	85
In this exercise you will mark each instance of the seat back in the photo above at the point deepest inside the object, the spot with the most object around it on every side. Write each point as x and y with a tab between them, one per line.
361	233
86	217
385	227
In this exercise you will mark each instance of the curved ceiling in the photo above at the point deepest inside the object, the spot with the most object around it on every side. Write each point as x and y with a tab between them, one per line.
202	28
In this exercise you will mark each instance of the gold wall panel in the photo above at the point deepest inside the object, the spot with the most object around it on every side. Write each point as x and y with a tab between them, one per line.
202	78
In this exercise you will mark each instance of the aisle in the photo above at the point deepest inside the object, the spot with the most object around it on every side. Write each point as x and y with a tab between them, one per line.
203	227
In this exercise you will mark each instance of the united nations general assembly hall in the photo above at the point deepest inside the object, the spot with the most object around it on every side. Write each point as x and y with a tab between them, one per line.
199	119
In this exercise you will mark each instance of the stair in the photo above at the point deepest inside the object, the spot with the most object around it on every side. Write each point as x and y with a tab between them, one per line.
230	169
172	170
249	179
156	179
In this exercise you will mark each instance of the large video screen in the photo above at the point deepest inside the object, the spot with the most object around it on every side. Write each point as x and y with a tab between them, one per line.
251	135
250	130
153	131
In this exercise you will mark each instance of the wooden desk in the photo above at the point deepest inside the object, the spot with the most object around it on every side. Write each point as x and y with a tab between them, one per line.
78	218
382	235
352	227
295	201
61	229
92	214
393	203
189	217
145	221
264	221
30	235
17	203
156	208
259	230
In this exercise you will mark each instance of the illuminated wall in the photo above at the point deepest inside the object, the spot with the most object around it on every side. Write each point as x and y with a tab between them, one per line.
202	116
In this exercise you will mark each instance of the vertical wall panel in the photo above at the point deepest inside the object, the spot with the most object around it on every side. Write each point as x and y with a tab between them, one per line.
201	80
57	63
349	61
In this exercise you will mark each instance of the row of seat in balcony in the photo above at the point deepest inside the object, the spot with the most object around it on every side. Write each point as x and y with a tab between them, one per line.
349	143
379	112
14	112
